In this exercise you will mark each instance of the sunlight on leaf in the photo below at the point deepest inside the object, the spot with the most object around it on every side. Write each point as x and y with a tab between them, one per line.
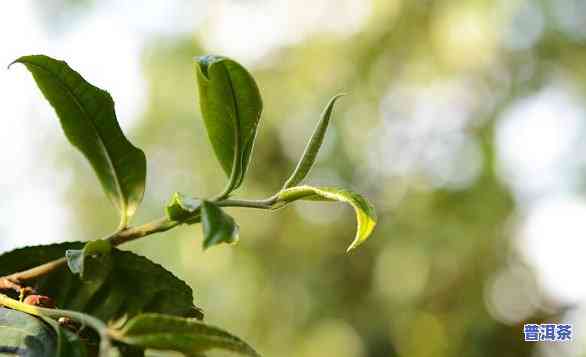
181	207
365	213
88	119
311	150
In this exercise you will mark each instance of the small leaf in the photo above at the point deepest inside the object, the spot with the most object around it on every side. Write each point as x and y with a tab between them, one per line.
231	107
88	119
93	262
182	207
365	213
218	227
25	335
313	146
163	332
134	284
68	343
75	261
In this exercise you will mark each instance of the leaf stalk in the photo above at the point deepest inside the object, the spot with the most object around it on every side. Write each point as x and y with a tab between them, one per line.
126	235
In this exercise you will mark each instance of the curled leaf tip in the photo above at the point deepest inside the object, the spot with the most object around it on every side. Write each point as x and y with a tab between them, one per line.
366	233
18	60
206	61
365	213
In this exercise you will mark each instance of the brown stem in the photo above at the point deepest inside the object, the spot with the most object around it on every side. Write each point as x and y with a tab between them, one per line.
8	284
160	225
13	281
32	273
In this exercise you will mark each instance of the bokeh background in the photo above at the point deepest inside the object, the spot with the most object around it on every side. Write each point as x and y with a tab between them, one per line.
465	126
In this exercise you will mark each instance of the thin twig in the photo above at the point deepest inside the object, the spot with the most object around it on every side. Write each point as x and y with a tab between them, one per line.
13	281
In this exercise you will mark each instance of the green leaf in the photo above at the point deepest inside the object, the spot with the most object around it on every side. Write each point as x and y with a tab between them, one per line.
93	262
133	286
25	335
68	344
365	213
231	107
127	350
88	119
182	207
161	332
310	153
218	227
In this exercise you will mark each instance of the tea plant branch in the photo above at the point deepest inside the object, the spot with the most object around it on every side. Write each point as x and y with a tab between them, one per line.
159	225
84	319
231	108
268	203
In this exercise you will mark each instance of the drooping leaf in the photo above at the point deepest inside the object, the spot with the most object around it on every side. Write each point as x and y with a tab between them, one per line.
231	107
134	285
310	153
182	208
218	226
25	335
88	119
365	213
93	262
163	332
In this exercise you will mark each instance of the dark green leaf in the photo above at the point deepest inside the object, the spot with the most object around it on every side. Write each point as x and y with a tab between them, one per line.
88	119
365	213
182	207
93	262
134	285
162	332
127	350
231	106
25	335
313	146
218	227
68	344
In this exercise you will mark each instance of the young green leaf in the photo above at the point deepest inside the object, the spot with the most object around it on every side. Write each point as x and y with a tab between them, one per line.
88	119
365	213
231	107
93	262
218	227
163	332
313	146
182	207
